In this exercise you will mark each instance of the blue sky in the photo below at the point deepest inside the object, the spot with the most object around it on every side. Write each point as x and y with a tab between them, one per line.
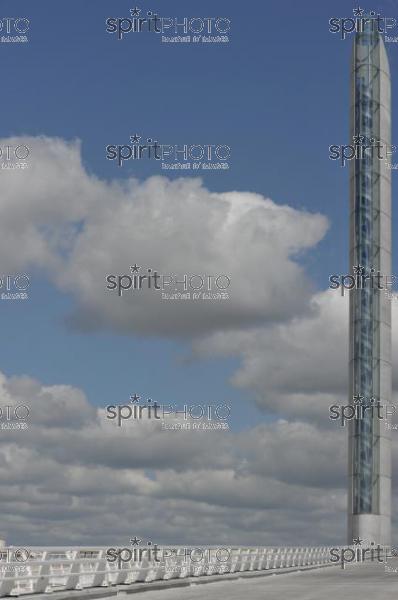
277	94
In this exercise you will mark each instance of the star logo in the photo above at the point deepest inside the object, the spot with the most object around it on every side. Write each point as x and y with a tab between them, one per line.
358	269
357	399
358	139
357	541
135	398
135	268
368	140
358	12
135	541
134	139
135	12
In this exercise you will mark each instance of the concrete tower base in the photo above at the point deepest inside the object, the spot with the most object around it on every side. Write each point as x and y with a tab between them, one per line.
369	528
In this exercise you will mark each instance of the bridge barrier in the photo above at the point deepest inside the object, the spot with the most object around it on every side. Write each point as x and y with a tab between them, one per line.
48	570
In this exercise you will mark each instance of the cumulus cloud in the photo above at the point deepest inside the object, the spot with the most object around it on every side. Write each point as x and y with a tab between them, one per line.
297	368
79	229
42	207
85	481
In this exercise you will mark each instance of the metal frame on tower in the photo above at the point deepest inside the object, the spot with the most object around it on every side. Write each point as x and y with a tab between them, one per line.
369	510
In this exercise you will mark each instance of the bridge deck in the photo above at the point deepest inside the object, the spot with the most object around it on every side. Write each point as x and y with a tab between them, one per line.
357	582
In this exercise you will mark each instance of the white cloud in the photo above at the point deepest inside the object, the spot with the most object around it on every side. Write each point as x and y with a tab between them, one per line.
80	229
85	481
298	368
